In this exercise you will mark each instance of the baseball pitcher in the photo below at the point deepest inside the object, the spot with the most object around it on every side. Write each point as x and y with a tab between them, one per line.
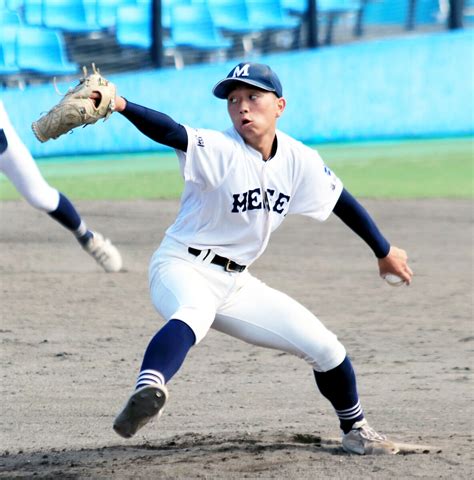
239	185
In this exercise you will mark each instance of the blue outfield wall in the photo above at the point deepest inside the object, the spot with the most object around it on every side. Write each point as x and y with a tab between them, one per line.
419	86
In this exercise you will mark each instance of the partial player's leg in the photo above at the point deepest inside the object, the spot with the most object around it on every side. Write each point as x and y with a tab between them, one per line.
281	323
339	386
163	357
186	297
19	166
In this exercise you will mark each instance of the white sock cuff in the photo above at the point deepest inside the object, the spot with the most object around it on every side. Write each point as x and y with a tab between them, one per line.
150	377
350	413
81	230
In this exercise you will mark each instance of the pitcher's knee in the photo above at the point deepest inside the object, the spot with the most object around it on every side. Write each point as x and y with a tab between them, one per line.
327	356
199	320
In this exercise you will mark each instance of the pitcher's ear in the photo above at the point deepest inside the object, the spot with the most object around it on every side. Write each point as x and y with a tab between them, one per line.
281	106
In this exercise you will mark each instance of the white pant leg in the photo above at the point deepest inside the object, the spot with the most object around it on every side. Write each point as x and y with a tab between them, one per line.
184	288
19	166
203	295
263	316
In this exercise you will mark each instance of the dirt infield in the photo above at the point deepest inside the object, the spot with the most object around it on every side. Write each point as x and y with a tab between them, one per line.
72	340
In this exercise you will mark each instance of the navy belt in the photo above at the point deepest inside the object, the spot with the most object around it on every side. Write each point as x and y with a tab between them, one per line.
229	265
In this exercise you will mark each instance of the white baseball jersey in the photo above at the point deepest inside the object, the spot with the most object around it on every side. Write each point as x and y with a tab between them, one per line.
231	203
233	200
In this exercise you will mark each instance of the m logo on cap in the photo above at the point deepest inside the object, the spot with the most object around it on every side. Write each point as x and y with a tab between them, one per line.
241	71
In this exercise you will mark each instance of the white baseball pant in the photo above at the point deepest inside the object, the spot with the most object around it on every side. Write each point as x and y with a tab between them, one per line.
19	166
204	296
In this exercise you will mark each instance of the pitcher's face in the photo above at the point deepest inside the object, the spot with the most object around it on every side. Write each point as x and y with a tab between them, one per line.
254	112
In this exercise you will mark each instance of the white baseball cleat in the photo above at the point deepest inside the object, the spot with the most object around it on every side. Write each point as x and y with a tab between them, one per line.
364	440
104	253
143	405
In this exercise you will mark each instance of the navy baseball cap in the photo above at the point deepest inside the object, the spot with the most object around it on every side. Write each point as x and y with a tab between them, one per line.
256	74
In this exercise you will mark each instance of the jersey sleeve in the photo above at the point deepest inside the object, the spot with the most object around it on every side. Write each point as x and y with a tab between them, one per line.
208	158
317	187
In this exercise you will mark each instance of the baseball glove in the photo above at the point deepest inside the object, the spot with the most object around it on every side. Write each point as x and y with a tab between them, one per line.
77	107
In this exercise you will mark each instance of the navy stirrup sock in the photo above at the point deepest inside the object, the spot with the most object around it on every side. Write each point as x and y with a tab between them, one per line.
165	353
66	214
69	218
339	386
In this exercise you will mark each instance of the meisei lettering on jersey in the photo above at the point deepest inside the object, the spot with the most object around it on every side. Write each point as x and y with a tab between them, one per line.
255	200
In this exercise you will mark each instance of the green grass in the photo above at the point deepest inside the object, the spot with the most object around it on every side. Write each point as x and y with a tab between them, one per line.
411	169
118	177
402	169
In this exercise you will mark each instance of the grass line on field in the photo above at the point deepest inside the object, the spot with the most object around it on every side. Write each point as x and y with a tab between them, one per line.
402	169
